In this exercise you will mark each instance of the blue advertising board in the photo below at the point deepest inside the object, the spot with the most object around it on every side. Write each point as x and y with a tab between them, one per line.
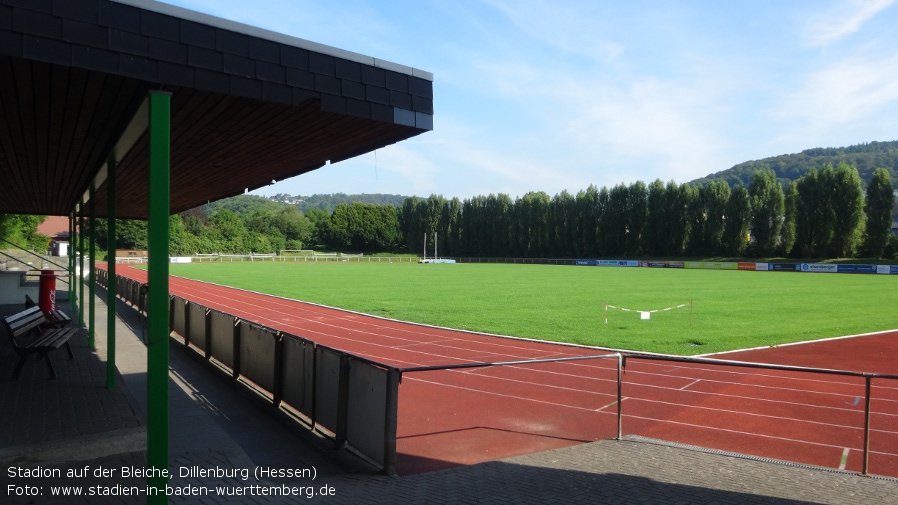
782	267
857	269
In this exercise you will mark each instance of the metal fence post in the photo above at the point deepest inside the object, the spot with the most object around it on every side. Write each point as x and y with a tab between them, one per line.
391	413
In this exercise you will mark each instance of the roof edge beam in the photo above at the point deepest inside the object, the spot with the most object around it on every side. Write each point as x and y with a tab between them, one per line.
135	129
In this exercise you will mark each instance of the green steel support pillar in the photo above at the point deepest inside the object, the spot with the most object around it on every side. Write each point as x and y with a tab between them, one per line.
110	270
92	268
81	264
158	297
71	254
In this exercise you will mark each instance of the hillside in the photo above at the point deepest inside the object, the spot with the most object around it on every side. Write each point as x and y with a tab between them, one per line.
789	167
329	202
247	204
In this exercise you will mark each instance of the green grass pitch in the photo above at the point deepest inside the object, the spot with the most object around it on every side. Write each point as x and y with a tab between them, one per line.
730	309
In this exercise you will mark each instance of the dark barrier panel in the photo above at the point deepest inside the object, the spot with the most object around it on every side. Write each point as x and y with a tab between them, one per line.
367	409
257	354
222	334
298	364
179	316
196	328
327	388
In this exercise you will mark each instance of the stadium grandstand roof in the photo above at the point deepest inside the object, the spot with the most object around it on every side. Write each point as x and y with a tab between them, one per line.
248	106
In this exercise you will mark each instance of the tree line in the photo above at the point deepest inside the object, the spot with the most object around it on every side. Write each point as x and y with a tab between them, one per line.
825	213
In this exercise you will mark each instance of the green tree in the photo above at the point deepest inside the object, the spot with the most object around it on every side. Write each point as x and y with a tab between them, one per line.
637	216
617	221
696	220
655	229
790	211
21	230
717	193
767	210
848	211
738	216
878	208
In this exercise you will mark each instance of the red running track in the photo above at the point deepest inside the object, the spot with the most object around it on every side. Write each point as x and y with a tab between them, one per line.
449	418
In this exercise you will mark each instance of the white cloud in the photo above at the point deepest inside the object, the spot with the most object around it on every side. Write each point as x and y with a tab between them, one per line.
843	21
847	91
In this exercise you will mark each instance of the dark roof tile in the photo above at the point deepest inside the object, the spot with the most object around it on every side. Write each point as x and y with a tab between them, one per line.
397	81
51	51
295	57
238	65
82	10
160	26
123	17
87	34
142	68
346	69
127	42
204	58
322	64
93	58
212	81
197	34
232	42
167	50
265	50
270	72
37	23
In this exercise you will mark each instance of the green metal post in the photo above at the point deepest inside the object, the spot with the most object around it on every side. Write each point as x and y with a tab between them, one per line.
91	269
158	297
81	265
71	254
110	270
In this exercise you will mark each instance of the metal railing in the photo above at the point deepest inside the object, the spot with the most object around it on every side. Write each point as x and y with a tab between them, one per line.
349	398
867	376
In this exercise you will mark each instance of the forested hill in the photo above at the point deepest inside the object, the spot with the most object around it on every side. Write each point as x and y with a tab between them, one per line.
247	204
789	167
329	202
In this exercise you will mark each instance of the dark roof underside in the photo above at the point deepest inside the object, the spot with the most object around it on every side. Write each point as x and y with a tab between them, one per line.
71	79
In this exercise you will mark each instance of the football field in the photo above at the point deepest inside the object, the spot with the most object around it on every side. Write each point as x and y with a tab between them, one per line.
711	310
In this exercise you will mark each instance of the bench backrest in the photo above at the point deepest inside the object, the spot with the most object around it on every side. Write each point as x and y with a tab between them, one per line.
25	321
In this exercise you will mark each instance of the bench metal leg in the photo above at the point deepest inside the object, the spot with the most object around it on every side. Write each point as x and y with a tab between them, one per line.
19	366
46	357
68	348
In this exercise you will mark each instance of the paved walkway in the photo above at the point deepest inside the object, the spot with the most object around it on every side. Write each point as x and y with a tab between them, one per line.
221	432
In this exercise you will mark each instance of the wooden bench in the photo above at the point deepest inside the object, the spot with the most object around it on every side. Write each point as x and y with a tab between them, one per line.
55	318
28	338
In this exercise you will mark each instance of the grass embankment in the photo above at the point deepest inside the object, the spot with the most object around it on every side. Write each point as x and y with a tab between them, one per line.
731	309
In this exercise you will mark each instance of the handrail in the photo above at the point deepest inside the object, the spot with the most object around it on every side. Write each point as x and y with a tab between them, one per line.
32	253
16	259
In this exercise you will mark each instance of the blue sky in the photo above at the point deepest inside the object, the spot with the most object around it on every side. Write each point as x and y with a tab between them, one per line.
551	96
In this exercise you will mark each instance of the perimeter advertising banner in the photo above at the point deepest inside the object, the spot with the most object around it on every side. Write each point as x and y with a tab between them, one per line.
857	269
783	267
617	263
607	263
712	265
654	264
819	267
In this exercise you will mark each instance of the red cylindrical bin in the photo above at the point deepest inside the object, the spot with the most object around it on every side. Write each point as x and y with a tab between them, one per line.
47	293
